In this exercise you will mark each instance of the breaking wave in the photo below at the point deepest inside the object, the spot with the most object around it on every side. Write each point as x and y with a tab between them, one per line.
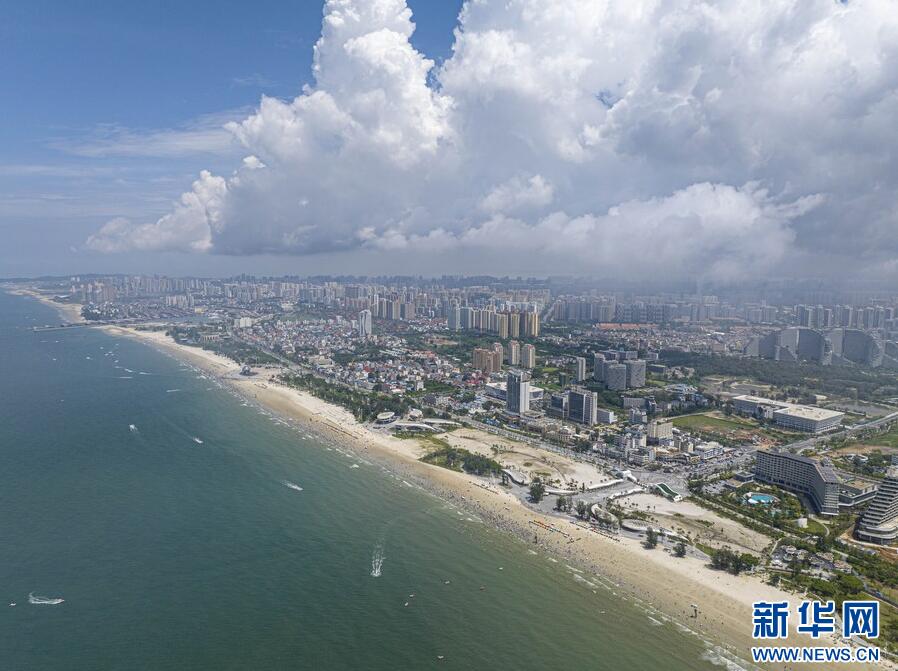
377	560
43	600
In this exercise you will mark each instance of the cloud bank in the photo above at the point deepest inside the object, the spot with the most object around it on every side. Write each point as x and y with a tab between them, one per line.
728	140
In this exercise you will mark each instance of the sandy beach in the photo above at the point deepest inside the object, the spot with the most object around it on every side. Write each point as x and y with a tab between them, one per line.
69	312
664	585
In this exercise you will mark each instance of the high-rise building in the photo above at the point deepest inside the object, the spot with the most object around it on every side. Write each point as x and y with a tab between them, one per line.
635	373
514	353
579	369
514	325
531	324
453	318
502	325
484	359
467	318
364	323
598	366
517	398
582	406
499	354
528	356
879	523
615	376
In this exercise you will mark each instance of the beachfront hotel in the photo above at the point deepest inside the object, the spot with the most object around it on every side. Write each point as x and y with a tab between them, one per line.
879	523
816	480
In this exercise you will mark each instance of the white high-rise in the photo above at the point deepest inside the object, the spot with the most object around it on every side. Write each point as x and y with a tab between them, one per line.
580	369
517	392
364	323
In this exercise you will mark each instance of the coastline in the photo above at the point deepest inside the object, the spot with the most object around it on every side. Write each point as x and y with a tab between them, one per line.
70	312
663	586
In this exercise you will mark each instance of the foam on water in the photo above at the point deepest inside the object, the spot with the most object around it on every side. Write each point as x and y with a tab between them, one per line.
377	560
43	600
292	485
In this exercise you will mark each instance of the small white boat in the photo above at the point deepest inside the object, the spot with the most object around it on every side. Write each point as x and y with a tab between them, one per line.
132	428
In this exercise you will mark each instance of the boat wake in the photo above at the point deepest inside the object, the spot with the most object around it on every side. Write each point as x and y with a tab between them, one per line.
292	485
43	600
377	560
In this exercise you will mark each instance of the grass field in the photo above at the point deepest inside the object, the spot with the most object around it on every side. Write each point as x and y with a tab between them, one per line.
709	423
887	439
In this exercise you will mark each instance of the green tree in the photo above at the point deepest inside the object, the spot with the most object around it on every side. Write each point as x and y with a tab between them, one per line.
680	550
651	538
582	510
537	491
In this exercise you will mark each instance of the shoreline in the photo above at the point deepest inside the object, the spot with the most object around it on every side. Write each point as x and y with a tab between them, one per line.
71	312
653	580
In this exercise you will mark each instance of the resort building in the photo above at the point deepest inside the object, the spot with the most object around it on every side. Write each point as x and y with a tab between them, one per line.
816	480
879	523
789	415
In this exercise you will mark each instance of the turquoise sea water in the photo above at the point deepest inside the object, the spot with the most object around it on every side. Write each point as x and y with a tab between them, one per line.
175	554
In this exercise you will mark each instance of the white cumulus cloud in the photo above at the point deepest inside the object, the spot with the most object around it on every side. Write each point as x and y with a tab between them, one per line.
723	139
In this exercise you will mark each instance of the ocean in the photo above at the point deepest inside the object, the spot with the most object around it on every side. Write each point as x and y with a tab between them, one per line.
184	528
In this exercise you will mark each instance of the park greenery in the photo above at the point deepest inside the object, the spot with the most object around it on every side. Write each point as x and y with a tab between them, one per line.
235	350
725	559
457	459
364	406
537	491
844	381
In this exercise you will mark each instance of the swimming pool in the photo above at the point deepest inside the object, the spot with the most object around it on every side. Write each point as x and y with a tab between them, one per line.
756	498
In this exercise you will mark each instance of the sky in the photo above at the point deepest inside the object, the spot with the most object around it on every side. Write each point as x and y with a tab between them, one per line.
723	141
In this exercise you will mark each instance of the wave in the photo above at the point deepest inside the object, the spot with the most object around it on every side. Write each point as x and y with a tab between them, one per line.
142	373
43	600
128	370
197	440
720	657
125	377
292	485
171	391
377	560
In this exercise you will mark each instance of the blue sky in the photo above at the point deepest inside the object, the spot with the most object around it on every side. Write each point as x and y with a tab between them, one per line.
554	136
91	87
